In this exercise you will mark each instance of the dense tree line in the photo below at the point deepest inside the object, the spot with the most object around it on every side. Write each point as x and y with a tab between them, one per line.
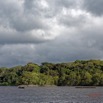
78	73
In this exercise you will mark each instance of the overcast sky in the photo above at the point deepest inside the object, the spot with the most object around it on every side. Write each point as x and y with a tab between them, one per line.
50	31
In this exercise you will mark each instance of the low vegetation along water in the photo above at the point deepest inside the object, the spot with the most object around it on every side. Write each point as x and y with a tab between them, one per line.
78	73
51	95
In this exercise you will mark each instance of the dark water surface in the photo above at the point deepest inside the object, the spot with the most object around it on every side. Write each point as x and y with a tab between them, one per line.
51	95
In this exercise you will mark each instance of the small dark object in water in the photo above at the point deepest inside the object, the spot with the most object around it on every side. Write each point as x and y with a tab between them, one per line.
21	87
85	87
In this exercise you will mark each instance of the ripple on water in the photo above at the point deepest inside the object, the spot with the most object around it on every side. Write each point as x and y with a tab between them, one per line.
50	95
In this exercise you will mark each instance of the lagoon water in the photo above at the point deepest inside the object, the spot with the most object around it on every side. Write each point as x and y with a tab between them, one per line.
51	95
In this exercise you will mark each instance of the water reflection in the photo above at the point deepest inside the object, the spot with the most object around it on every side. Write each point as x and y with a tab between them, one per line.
51	95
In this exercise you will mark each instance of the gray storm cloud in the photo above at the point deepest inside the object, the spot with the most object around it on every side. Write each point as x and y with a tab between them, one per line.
23	22
94	6
50	30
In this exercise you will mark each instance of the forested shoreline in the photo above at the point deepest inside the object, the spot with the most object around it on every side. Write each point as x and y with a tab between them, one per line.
77	73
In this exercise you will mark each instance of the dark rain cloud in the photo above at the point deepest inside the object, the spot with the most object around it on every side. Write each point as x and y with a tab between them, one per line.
94	6
18	25
50	30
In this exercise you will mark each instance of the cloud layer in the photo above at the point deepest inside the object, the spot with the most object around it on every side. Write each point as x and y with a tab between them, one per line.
50	30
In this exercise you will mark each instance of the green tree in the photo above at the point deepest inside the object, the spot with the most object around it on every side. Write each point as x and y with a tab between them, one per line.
86	78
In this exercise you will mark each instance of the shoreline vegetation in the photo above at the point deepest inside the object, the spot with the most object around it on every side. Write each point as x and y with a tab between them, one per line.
78	73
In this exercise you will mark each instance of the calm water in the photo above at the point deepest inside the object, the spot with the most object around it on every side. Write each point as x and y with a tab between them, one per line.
51	95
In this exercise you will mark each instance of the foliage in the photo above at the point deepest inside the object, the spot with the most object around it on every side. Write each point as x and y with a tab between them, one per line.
83	73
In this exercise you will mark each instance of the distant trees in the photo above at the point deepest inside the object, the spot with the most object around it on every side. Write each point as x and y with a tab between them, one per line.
86	78
76	73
